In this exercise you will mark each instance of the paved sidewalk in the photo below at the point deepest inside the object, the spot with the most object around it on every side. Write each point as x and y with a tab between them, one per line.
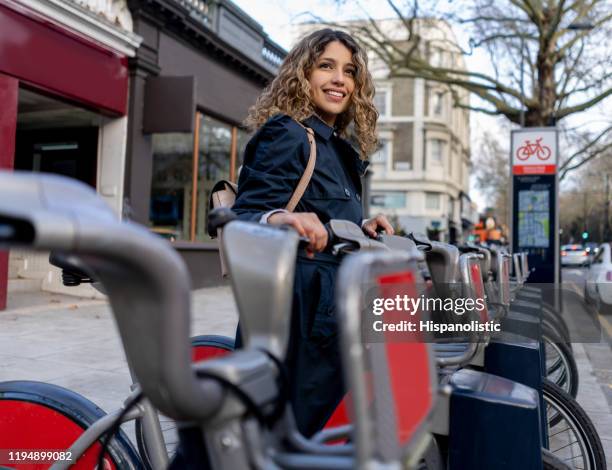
74	343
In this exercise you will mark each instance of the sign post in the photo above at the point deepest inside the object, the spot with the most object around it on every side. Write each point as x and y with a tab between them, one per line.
535	200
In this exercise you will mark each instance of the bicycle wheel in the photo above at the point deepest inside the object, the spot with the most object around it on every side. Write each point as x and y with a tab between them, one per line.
550	462
561	366
543	153
203	347
523	153
571	434
37	415
557	323
432	458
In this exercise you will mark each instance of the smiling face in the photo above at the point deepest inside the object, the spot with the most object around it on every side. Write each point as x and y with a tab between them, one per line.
332	81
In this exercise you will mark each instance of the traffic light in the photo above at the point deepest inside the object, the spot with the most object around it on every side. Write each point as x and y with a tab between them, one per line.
585	235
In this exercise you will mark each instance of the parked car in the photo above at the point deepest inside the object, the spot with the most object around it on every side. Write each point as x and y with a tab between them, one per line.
592	249
574	255
598	286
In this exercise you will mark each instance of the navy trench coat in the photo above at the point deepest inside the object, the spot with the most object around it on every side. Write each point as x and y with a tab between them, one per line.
274	161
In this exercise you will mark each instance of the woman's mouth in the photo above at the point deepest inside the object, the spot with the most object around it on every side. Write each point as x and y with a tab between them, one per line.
334	95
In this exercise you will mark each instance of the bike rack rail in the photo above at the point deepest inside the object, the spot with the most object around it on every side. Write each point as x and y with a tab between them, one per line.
146	280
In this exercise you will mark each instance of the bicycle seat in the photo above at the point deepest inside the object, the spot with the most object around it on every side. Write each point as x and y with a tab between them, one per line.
420	240
74	271
396	242
443	263
344	230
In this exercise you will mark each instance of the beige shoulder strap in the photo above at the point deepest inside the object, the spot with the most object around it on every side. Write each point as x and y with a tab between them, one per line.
308	171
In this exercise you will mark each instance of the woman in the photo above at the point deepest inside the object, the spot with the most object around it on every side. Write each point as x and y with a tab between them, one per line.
323	83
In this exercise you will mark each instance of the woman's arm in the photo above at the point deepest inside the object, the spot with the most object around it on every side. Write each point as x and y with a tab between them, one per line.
275	160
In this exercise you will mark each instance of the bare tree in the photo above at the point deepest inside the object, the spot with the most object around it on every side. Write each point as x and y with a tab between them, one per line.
586	206
492	177
548	58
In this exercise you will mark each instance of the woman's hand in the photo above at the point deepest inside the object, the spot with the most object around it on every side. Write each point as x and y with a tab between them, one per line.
371	226
307	224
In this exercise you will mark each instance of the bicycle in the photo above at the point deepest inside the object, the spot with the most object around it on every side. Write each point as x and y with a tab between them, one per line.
75	424
240	389
542	152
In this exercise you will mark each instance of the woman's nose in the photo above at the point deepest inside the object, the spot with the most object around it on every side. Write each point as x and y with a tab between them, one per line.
338	77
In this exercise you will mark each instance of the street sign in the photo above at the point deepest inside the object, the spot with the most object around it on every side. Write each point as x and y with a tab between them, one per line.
534	151
534	201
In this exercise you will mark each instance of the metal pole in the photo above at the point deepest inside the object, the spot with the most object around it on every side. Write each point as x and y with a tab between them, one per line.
586	215
607	210
522	117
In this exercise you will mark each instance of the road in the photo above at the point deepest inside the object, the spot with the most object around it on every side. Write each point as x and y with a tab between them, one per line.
599	352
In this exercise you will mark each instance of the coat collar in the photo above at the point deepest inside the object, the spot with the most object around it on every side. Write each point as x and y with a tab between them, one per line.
325	132
317	125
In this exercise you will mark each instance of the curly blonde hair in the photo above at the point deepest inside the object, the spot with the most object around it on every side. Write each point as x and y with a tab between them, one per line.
290	92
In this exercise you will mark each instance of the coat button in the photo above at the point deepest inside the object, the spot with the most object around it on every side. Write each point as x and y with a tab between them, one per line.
358	197
347	192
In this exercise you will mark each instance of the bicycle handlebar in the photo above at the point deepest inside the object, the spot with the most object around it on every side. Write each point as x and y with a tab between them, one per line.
147	281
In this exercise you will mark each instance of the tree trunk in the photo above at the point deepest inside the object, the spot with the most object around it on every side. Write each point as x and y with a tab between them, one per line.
543	114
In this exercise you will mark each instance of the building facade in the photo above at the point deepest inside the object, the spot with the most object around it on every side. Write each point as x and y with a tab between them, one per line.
141	99
420	173
64	74
201	65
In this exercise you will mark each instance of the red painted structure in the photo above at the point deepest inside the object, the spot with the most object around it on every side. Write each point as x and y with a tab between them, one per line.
41	55
8	126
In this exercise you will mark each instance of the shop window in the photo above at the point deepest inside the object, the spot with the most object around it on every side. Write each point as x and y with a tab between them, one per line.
242	138
185	168
214	162
171	187
432	201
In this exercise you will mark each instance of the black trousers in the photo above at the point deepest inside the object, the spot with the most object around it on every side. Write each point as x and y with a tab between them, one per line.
314	367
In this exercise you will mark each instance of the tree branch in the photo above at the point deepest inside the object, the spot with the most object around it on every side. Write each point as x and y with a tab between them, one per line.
578	35
593	155
585	105
586	148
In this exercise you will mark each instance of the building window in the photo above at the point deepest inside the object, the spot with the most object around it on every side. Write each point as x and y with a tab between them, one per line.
185	167
438	104
382	154
437	151
388	199
380	101
402	166
435	59
432	201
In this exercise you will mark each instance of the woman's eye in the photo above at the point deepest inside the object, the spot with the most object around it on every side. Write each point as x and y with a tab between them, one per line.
325	65
350	72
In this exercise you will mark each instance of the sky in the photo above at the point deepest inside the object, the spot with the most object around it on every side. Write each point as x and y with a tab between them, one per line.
278	17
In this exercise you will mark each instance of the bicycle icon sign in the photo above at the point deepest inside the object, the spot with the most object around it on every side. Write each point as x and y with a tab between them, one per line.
534	151
542	152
